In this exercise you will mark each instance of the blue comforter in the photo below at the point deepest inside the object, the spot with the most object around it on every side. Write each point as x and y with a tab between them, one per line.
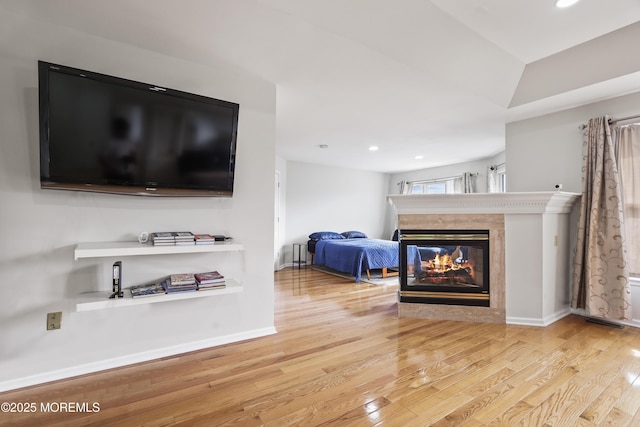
355	255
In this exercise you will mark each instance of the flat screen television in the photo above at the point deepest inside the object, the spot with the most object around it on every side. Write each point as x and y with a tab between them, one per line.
107	134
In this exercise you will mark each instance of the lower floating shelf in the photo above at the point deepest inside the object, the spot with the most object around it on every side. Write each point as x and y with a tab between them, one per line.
100	300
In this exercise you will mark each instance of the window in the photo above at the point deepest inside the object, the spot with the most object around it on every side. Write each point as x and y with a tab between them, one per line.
434	186
502	181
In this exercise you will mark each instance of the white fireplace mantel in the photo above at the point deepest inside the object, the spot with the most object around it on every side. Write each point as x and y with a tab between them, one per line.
536	238
485	203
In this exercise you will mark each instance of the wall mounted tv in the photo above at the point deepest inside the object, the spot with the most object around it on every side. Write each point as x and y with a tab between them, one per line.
107	134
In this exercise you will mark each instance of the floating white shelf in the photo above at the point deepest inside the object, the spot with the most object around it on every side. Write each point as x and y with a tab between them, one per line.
100	300
120	249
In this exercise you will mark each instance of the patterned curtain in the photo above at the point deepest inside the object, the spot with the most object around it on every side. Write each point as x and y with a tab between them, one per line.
601	276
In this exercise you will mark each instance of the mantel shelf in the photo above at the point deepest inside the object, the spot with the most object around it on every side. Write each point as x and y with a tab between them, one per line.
541	202
100	300
120	249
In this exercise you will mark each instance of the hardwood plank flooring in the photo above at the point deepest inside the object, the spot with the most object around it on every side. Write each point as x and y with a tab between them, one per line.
342	357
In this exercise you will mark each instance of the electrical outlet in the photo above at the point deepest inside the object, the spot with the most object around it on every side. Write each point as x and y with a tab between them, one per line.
54	320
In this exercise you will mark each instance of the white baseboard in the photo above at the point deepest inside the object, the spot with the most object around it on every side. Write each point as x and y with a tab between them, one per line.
130	359
292	265
541	322
524	321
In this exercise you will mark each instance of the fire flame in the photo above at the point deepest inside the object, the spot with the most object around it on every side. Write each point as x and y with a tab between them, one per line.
442	263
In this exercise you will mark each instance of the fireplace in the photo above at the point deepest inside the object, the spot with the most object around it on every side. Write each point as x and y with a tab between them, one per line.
444	267
529	281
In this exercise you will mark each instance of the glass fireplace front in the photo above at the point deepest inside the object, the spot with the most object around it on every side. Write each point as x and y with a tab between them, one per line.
444	267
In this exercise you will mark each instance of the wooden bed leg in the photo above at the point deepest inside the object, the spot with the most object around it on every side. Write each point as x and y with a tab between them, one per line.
386	273
368	275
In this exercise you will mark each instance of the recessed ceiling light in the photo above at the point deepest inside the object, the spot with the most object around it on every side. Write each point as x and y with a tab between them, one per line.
566	3
419	157
373	148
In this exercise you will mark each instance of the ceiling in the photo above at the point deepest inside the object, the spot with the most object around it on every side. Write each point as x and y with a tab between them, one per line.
437	79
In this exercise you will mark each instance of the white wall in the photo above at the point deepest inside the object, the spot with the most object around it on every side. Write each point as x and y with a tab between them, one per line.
281	170
547	150
325	198
40	227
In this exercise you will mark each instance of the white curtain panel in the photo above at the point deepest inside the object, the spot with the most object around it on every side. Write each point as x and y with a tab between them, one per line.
465	183
493	183
628	145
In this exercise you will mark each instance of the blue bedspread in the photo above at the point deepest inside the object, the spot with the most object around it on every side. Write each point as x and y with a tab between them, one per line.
356	255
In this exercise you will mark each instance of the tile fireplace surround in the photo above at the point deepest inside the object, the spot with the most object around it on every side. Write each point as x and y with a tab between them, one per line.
529	251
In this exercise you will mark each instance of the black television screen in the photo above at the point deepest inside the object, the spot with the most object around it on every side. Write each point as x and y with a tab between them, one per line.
108	134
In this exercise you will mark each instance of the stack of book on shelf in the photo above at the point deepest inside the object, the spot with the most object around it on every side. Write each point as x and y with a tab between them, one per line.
204	239
184	238
163	239
209	280
147	290
180	283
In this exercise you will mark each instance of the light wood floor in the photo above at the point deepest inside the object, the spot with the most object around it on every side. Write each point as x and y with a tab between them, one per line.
343	358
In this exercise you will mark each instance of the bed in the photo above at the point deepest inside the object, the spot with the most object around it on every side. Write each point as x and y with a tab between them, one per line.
354	253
